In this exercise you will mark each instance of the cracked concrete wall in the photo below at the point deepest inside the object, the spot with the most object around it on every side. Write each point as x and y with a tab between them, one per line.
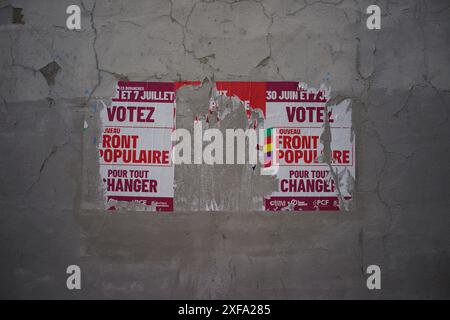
397	78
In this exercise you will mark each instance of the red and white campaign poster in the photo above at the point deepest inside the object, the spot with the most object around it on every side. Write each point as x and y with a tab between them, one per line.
135	147
296	117
294	120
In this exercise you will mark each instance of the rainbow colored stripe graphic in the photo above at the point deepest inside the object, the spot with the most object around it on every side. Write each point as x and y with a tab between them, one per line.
268	147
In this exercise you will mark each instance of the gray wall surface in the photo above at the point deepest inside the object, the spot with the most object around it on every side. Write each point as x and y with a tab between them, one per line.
398	79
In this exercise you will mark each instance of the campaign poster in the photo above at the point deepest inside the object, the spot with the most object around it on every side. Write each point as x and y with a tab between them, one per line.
297	118
135	147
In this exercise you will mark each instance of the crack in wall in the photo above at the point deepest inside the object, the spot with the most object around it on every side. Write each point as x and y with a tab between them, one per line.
309	4
94	29
52	152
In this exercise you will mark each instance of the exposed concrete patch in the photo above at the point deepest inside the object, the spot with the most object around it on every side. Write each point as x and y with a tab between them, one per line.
17	16
216	187
50	71
10	14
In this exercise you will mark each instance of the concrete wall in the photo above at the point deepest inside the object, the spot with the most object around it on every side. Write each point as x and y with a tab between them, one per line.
398	79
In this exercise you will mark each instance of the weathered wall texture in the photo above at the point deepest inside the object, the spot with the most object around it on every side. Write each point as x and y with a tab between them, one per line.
398	79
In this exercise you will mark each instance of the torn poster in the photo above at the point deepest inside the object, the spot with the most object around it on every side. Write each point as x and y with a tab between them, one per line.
135	147
252	94
313	159
296	149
